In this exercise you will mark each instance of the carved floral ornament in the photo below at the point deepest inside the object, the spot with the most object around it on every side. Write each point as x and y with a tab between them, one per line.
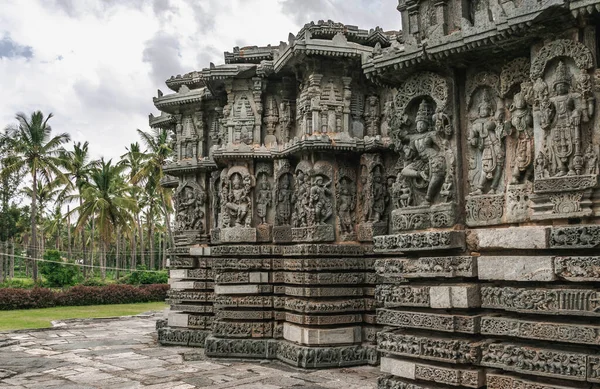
561	48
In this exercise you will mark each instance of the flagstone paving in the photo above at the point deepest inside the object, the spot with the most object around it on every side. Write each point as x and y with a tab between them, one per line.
122	353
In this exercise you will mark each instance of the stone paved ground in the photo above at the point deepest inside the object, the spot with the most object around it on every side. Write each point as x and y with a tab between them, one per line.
122	353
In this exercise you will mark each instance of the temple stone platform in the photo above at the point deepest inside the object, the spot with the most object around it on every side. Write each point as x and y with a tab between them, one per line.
425	199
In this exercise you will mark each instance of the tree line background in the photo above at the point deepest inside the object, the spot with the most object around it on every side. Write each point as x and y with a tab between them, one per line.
102	214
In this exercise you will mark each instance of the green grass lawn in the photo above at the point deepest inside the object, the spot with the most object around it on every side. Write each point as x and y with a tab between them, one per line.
41	318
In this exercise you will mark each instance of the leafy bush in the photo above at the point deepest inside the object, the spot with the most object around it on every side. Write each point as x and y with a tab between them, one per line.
92	282
24	283
58	274
13	298
141	277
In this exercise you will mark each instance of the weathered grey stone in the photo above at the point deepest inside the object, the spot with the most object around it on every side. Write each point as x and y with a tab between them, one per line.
397	367
454	296
541	330
419	241
428	321
318	336
516	268
472	378
243	289
503	381
510	238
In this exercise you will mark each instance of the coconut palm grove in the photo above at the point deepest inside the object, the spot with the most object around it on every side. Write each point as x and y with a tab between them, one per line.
59	206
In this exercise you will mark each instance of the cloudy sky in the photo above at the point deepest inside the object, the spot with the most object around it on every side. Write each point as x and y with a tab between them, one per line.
96	64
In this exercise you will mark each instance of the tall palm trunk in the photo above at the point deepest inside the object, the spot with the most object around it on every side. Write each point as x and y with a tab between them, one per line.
117	259
70	247
164	254
167	220
141	232
84	245
11	270
34	241
151	238
133	263
103	261
92	247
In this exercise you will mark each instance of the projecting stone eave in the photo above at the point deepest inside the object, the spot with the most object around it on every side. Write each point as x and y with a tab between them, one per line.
175	102
215	75
468	39
187	166
249	54
339	46
169	181
297	146
329	29
164	120
192	80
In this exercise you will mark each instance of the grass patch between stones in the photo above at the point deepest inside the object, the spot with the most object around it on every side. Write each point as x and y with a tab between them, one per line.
42	318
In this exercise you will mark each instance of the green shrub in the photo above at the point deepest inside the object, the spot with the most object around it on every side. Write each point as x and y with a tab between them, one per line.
141	277
58	274
12	298
20	283
92	282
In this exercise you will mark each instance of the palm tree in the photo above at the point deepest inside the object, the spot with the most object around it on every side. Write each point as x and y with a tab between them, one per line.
78	167
34	148
46	194
158	152
133	161
107	203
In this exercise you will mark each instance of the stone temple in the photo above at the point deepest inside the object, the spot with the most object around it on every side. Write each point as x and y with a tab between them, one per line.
425	199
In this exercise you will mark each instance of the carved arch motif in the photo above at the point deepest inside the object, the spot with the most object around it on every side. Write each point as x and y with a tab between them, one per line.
423	84
481	79
580	53
514	73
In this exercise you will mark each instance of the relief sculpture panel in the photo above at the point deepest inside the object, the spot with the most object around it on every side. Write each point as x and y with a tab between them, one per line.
423	134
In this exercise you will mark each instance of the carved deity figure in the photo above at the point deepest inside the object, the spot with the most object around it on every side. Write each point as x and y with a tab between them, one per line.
283	198
486	137
246	135
522	121
372	116
402	194
264	199
378	197
425	153
300	199
591	161
239	202
346	202
320	201
446	191
541	166
561	118
189	204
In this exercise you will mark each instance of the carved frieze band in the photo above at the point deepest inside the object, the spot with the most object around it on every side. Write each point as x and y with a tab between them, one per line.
580	302
419	241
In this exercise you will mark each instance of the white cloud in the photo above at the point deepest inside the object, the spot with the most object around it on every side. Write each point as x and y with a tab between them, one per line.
96	64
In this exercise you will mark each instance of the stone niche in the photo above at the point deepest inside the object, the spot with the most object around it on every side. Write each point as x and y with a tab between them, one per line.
425	199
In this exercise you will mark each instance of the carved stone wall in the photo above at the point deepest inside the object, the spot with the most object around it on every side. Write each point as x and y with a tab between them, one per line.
426	198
